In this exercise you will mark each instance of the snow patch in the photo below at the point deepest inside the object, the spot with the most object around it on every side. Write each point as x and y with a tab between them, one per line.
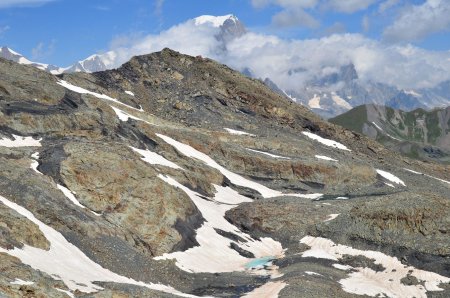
69	263
20	282
68	293
19	141
325	158
326	142
365	281
238	132
34	164
342	267
268	154
214	253
155	159
390	177
331	217
234	178
80	90
314	103
341	102
124	116
129	93
418	173
313	273
290	97
268	290
376	125
215	21
412	92
70	195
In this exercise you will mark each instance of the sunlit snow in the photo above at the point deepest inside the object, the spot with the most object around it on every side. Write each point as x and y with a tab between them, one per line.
155	159
390	177
326	142
365	281
234	178
268	154
214	253
331	217
268	290
124	116
238	132
418	173
20	282
19	141
80	90
34	164
325	158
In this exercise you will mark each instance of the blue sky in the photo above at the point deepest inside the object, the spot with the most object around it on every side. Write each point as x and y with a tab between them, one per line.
64	31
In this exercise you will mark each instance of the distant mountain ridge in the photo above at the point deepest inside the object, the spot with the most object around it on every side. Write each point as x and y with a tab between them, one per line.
93	63
419	133
338	92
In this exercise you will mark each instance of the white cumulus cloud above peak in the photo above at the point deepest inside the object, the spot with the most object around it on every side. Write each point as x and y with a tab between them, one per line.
290	63
418	21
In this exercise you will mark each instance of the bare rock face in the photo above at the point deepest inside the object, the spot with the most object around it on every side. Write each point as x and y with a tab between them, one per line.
113	181
17	230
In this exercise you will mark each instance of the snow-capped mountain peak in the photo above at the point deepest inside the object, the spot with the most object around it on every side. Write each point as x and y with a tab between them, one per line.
9	54
215	21
94	63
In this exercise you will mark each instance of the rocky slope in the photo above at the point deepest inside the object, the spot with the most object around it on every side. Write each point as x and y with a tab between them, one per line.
418	134
177	176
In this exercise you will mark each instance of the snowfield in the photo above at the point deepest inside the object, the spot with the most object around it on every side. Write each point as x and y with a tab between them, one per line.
365	281
214	253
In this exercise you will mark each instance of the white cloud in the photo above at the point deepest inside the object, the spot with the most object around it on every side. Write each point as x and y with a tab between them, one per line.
12	3
294	17
404	66
292	14
349	6
286	3
346	6
387	5
418	21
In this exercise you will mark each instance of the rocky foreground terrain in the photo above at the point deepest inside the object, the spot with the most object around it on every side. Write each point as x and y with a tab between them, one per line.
177	176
